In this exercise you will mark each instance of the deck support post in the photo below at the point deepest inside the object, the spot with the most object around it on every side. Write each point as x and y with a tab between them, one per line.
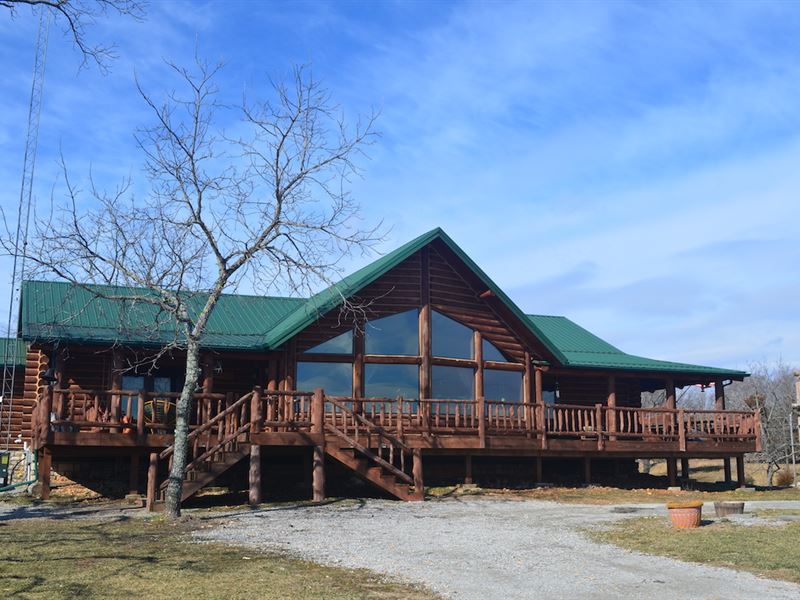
318	464
133	479
726	469
538	471
672	471
740	477
684	468
468	469
45	464
416	470
587	470
152	483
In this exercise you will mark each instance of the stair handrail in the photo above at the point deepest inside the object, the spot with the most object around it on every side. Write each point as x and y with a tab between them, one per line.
208	424
370	454
369	424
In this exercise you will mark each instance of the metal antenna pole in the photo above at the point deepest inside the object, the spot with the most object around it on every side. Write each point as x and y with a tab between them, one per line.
23	219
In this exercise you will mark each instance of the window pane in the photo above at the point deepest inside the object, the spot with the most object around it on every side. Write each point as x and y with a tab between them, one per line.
390	381
335	378
502	385
450	338
396	334
162	384
341	344
453	383
490	352
129	404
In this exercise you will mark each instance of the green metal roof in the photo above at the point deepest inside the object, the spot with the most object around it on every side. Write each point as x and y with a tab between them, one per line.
582	348
19	350
59	310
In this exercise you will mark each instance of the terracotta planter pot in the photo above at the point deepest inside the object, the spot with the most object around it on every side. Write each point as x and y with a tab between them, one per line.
723	509
686	515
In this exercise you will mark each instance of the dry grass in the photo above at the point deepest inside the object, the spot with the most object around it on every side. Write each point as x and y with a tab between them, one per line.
613	495
709	471
764	550
82	558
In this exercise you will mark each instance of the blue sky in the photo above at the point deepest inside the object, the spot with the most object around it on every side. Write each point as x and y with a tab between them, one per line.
634	166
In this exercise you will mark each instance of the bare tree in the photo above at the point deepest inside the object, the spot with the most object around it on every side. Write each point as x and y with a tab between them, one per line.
269	204
770	391
78	16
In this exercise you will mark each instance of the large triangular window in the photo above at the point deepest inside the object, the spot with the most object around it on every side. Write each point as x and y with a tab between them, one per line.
491	352
341	344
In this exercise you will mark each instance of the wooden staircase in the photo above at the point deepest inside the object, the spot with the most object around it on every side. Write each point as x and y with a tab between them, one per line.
214	447
371	453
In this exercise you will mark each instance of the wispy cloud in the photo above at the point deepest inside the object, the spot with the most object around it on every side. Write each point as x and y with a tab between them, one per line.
631	165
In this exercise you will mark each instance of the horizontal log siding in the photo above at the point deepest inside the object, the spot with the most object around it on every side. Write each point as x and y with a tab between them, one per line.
26	389
454	296
588	391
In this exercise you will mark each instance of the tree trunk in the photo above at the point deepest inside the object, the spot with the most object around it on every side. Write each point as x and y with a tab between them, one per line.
182	415
770	473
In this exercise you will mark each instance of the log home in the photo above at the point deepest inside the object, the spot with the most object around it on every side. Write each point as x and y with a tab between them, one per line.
439	372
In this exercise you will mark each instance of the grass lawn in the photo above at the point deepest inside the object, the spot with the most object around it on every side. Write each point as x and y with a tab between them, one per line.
761	549
152	558
612	495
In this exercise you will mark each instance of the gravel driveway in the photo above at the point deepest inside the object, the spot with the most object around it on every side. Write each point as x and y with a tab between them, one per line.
477	548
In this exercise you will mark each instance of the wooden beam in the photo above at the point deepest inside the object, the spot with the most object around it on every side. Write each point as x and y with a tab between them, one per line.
538	470
477	353
468	468
726	469
587	470
358	362
425	325
526	393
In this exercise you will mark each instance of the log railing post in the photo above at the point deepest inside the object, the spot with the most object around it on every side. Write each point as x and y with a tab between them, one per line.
140	414
400	425
254	474
317	411
681	431
152	481
482	421
598	418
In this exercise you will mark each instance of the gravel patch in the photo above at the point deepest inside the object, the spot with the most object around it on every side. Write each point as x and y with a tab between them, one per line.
477	548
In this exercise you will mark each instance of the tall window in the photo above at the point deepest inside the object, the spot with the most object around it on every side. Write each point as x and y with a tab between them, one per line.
453	383
396	335
391	381
449	338
335	378
502	385
341	344
490	352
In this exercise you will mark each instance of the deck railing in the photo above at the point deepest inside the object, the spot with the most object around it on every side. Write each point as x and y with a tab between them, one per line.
141	413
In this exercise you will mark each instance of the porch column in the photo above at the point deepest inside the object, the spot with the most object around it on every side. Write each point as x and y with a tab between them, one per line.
254	474
538	470
719	404
684	468
587	470
318	464
425	327
468	469
611	414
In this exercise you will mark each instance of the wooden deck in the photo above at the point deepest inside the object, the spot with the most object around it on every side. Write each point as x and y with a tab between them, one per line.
381	440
